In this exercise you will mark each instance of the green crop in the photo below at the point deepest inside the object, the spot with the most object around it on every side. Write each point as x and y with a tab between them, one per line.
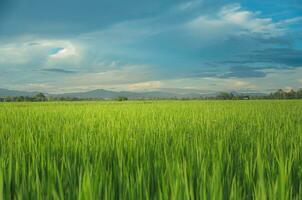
151	150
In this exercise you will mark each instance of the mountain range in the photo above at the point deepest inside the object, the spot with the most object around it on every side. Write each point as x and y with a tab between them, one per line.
108	94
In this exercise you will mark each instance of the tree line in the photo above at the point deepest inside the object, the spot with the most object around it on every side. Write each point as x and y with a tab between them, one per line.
40	97
279	94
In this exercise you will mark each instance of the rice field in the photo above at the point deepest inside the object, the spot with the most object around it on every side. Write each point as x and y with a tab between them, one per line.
151	150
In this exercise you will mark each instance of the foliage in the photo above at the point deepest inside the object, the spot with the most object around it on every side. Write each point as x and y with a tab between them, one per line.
151	150
121	98
40	97
279	94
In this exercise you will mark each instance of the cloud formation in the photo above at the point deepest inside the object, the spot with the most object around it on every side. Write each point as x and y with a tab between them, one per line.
202	45
234	20
56	70
243	72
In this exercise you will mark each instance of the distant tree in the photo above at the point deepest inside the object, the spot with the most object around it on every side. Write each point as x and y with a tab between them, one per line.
121	98
225	95
40	97
299	93
291	94
280	94
20	98
8	99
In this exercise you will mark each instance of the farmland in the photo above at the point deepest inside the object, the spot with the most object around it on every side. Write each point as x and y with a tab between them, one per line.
151	150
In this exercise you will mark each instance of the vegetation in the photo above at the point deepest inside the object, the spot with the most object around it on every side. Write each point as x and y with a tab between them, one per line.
121	98
292	94
279	94
42	97
151	150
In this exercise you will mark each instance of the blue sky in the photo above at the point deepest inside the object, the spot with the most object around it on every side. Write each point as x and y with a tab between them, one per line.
201	45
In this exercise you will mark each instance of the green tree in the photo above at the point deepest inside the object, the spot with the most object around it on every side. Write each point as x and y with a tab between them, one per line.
225	95
299	93
40	97
121	98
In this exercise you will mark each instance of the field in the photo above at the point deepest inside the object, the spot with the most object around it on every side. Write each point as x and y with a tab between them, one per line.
151	150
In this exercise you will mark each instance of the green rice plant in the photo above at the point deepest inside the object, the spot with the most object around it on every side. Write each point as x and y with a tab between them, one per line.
151	150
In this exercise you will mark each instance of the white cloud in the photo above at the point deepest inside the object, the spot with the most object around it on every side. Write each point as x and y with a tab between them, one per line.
24	52
15	54
145	85
65	52
274	79
125	75
235	83
250	21
291	21
210	83
188	5
234	20
133	77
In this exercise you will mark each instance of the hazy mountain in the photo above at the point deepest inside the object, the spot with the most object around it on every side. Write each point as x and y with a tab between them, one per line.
107	94
249	93
15	93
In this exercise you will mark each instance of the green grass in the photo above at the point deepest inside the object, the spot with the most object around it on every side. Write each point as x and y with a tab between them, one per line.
151	150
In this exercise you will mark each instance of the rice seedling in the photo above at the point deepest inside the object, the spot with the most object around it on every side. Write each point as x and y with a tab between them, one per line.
151	150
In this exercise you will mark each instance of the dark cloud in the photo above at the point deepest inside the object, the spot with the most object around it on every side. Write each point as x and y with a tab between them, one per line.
287	57
257	39
243	72
232	72
56	70
77	16
274	41
33	44
203	74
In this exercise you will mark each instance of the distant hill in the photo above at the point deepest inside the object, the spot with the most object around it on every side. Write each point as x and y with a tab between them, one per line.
107	94
254	94
15	93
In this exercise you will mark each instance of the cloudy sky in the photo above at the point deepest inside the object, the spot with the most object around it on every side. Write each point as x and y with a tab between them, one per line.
205	45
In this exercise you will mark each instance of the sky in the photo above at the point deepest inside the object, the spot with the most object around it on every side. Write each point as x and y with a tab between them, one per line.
141	45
